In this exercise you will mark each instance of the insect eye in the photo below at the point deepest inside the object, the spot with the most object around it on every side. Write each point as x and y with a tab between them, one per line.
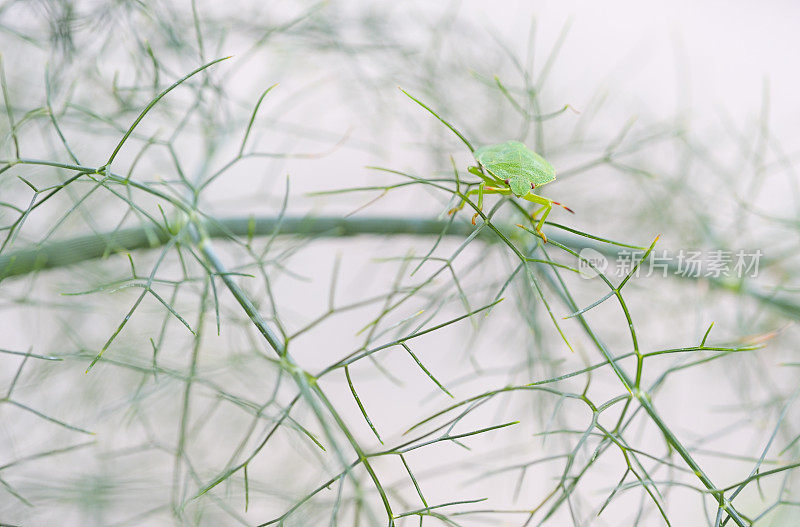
505	181
533	185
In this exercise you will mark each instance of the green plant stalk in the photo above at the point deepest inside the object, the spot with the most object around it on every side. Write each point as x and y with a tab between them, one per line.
633	387
79	249
306	383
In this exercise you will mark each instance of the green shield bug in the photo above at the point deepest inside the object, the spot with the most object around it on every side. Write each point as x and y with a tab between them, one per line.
511	168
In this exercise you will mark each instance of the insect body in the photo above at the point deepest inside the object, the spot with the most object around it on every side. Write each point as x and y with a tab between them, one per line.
512	168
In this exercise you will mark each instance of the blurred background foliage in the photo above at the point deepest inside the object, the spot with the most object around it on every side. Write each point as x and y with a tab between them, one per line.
289	329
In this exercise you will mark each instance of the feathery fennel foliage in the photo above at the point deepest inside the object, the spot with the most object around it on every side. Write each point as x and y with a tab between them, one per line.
214	315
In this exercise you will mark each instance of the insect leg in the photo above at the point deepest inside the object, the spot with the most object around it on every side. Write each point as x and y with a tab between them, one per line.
481	189
544	209
488	179
461	203
537	212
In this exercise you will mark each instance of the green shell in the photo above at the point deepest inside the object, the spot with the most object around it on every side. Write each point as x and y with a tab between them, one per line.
515	162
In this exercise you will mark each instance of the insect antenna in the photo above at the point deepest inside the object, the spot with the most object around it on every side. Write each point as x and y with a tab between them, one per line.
564	206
